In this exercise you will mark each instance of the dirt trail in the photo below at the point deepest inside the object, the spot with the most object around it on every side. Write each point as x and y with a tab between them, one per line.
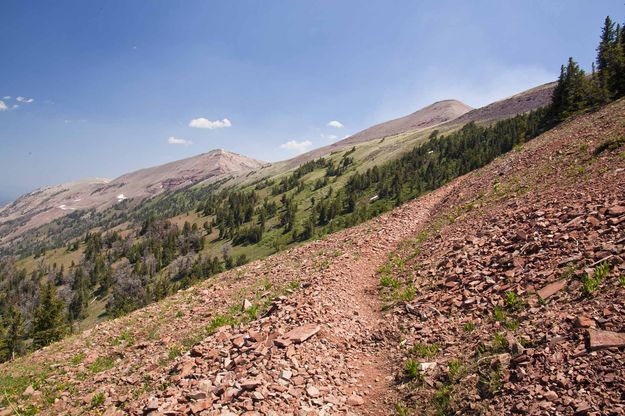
342	368
129	363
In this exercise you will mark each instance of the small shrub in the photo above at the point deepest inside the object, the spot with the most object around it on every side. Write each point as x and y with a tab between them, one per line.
411	369
621	281
512	324
77	359
252	312
97	399
456	369
408	294
490	382
499	314
424	350
610	144
294	285
468	327
153	333
401	410
217	322
387	280
589	285
513	301
101	364
568	272
441	400
174	352
499	342
602	270
126	337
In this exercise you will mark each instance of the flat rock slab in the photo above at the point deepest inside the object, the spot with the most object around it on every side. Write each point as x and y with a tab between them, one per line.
599	339
551	289
302	333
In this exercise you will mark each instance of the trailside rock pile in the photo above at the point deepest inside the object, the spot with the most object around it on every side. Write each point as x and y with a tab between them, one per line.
520	304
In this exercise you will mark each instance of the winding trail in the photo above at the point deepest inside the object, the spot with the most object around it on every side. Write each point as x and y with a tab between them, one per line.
343	368
132	366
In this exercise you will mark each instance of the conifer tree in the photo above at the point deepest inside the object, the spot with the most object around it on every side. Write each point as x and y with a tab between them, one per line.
609	57
572	93
12	338
48	318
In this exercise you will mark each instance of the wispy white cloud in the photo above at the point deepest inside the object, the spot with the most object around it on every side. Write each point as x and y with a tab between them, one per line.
299	147
335	124
3	106
6	97
204	123
25	100
329	136
177	140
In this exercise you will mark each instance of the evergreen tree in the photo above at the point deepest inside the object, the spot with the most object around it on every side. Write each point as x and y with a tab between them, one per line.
607	53
620	67
48	318
12	339
572	93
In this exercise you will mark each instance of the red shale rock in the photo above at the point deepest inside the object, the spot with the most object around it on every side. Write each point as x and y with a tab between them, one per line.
598	339
301	334
551	289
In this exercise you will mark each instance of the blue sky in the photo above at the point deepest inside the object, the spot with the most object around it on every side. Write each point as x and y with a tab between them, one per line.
112	86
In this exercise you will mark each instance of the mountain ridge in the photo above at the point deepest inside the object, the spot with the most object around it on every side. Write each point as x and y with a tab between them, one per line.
50	202
151	181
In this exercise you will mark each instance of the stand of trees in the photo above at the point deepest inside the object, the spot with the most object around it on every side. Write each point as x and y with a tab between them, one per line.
577	91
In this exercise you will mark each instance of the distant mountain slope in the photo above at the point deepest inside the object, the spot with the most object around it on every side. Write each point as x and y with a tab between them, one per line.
46	204
432	115
519	103
429	116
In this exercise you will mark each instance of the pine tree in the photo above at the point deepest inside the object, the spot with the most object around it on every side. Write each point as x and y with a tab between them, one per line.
610	58
620	68
48	318
12	342
608	35
572	93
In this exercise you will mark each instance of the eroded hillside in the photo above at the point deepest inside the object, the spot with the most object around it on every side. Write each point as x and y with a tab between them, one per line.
519	286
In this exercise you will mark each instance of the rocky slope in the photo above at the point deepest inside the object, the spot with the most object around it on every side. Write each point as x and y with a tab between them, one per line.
519	103
410	311
46	204
520	287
